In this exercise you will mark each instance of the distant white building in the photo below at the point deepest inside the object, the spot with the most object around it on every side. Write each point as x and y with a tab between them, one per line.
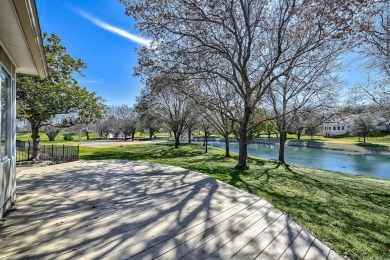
339	126
383	125
335	128
121	136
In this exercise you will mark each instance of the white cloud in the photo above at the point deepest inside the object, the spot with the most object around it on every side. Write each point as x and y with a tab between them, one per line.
115	30
90	81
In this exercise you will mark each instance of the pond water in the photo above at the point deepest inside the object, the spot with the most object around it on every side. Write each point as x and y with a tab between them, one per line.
365	164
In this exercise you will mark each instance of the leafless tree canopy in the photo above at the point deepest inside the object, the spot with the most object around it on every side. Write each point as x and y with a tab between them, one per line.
249	44
378	41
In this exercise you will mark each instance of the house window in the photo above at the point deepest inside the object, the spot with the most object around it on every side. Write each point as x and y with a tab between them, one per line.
342	127
5	81
334	128
338	127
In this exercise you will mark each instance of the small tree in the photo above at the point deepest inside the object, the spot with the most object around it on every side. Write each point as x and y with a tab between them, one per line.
363	126
102	127
268	127
51	132
148	116
206	127
311	130
41	100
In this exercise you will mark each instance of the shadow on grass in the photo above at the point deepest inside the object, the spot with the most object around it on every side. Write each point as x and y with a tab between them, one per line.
140	152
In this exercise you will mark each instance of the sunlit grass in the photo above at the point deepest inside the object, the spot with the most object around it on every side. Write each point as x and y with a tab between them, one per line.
59	139
352	213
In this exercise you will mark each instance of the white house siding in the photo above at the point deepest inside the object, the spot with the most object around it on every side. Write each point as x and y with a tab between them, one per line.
7	132
21	51
334	129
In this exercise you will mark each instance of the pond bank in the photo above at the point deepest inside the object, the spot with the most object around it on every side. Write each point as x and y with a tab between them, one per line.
318	145
341	147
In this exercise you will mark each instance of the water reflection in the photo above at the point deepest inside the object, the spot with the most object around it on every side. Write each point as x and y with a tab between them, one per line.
366	164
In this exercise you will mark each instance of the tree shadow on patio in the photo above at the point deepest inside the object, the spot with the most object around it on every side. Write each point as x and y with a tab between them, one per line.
128	209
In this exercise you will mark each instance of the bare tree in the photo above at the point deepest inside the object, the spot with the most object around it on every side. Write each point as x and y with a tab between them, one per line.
248	44
192	123
174	108
207	129
363	126
222	124
102	127
377	39
128	120
304	90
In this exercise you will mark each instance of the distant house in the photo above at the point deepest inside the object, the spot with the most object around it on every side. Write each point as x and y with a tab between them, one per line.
121	136
336	126
21	51
339	126
383	125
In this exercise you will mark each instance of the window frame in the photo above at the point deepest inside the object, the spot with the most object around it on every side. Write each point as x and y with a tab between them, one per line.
8	123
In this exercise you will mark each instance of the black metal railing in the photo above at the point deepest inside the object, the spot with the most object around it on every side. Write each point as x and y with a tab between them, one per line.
55	153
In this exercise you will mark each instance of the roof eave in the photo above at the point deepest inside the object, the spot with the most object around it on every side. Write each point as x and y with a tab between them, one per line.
28	17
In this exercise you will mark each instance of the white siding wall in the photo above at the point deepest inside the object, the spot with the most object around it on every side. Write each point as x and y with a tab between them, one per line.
8	164
334	129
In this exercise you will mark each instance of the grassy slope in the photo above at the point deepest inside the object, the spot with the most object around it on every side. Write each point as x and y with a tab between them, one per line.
352	213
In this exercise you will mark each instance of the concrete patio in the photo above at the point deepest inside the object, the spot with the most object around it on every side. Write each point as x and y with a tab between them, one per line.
122	209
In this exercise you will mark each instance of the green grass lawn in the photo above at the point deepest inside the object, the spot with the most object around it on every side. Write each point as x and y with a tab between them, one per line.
351	213
374	140
59	139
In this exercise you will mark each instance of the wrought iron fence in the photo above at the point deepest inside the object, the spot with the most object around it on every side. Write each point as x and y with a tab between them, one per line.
55	153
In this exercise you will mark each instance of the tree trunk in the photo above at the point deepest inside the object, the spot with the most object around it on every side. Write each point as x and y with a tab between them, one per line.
177	140
299	135
206	143
87	134
364	138
227	148
150	134
36	139
243	141
282	142
52	137
125	136
189	136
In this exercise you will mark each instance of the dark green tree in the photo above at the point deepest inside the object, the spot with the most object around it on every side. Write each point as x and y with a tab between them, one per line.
40	100
149	117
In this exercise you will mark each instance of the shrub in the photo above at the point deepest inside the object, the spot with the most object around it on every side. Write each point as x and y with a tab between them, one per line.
68	137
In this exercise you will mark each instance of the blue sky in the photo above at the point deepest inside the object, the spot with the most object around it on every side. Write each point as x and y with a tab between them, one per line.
98	32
